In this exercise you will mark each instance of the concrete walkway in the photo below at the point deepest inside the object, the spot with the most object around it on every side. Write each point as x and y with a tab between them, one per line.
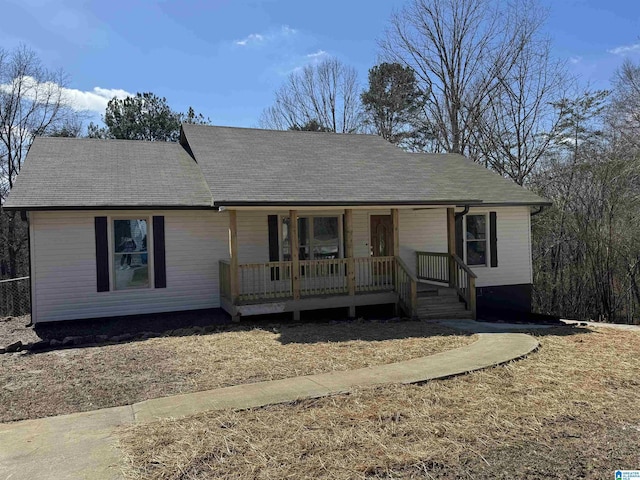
83	445
617	326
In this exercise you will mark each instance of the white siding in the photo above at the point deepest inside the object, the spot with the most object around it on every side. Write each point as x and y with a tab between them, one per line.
419	230
64	265
63	248
422	230
514	248
253	236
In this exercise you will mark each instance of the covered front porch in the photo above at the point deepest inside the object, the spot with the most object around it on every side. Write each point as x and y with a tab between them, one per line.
324	276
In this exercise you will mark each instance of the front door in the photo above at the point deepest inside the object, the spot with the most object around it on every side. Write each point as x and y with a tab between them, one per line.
381	236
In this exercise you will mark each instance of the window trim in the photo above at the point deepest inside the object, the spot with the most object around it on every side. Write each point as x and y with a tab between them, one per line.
487	256
310	224
112	253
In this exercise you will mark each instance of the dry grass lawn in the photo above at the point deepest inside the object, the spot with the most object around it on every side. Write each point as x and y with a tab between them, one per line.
80	379
570	410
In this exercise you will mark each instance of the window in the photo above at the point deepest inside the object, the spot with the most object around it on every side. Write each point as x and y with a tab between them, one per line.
476	239
318	238
130	257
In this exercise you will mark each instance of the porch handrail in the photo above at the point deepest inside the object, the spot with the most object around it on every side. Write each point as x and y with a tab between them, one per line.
433	266
465	283
264	280
274	280
374	274
406	286
464	266
323	277
451	269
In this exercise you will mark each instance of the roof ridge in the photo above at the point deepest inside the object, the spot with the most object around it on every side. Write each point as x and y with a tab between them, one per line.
110	140
231	127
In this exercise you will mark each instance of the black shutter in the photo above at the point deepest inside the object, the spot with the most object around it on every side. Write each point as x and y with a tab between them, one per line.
274	248
493	239
102	254
459	238
159	259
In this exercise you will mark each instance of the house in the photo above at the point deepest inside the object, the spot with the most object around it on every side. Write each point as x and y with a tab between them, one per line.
257	221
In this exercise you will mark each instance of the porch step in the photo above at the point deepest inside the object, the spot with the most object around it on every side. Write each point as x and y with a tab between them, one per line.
438	299
440	303
426	290
464	315
442	311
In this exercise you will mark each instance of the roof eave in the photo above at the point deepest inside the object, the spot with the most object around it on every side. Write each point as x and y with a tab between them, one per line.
331	203
107	207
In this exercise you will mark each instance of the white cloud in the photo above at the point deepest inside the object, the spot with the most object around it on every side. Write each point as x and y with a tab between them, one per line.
252	38
258	38
287	30
82	101
625	49
575	60
95	100
317	55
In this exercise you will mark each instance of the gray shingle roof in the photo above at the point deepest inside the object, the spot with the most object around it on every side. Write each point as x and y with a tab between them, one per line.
246	166
70	172
240	166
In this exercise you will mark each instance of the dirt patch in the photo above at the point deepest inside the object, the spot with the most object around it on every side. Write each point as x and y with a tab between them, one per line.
80	379
19	328
570	410
13	329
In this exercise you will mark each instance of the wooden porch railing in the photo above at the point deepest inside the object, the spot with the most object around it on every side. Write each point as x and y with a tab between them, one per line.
264	281
224	275
432	266
273	280
323	277
406	285
439	267
464	281
374	274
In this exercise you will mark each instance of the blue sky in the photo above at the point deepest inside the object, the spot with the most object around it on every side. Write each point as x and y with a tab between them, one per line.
227	57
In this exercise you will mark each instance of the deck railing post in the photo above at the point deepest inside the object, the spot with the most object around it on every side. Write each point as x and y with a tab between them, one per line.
451	244
472	296
395	218
234	278
351	267
295	258
414	298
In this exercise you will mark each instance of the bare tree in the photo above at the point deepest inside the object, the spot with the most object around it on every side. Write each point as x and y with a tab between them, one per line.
585	252
460	49
32	102
518	122
624	109
326	93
